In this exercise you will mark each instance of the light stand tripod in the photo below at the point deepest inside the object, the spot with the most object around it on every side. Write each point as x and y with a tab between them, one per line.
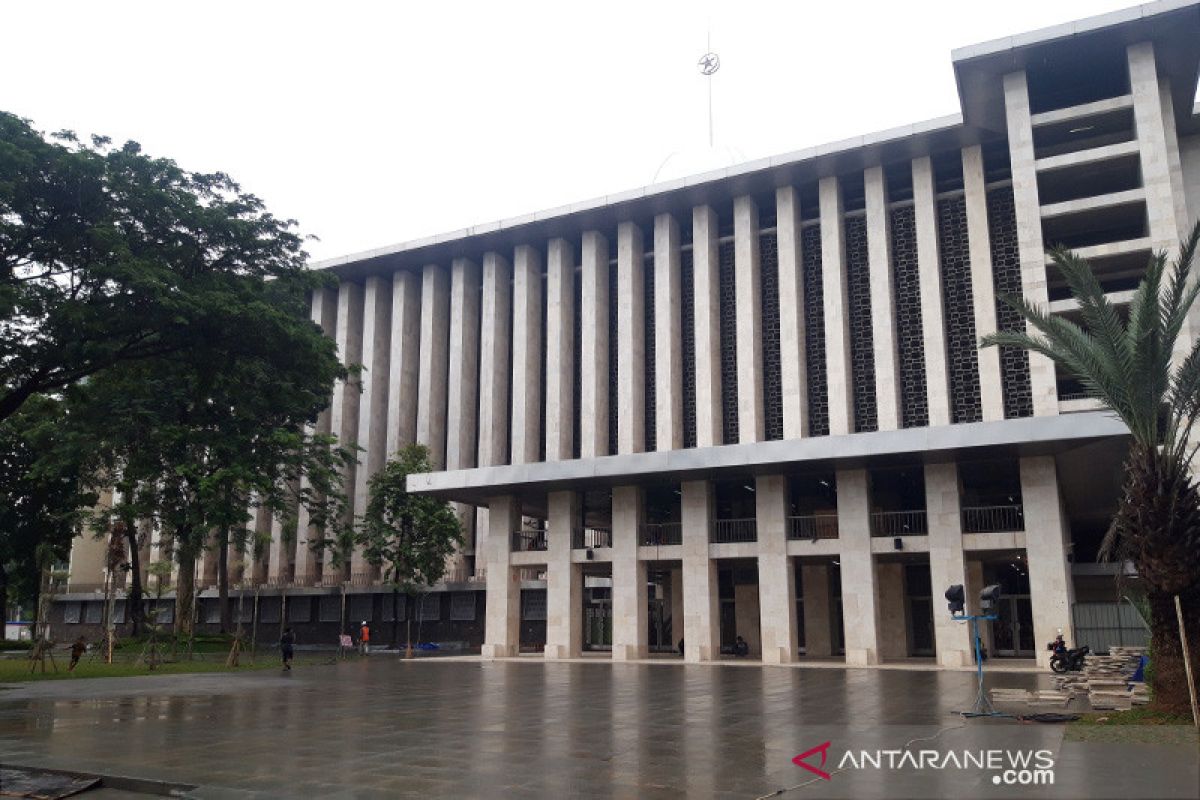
983	705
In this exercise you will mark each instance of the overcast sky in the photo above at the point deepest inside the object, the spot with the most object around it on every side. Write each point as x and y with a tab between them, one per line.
374	123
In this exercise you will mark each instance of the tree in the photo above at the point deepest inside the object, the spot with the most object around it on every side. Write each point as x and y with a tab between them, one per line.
105	255
409	536
1130	362
41	508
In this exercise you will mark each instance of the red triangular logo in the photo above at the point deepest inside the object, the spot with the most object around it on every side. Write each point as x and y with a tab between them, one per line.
823	749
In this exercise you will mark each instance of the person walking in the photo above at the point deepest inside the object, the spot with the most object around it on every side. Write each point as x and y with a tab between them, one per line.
364	637
287	644
77	651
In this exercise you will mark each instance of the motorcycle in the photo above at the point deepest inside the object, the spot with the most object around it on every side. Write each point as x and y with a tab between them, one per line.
1065	660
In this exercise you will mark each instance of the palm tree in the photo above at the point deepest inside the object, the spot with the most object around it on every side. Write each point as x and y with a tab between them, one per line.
1132	365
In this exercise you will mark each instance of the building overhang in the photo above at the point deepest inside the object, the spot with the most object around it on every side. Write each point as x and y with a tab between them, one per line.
1173	27
1014	437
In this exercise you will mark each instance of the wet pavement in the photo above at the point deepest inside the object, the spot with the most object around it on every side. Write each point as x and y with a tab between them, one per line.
468	728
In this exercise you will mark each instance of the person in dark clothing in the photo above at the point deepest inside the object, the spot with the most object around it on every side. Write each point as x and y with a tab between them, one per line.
740	648
287	644
681	647
77	651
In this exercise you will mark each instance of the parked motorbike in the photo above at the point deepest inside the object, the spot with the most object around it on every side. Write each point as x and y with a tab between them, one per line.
1065	660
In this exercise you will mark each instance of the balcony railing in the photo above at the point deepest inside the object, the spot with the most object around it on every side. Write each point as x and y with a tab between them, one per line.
993	519
898	523
591	538
524	541
660	534
725	531
813	527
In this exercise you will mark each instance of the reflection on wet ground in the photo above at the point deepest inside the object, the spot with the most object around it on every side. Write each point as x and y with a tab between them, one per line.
383	727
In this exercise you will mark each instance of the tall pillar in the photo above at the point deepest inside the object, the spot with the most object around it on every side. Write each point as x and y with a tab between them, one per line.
1029	230
707	310
947	562
818	611
676	606
564	581
1162	206
282	553
593	371
495	344
502	631
701	602
560	351
463	388
403	366
983	290
1046	539
837	308
668	344
793	366
860	611
372	416
343	411
748	289
893	623
974	586
527	355
434	363
631	344
776	572
929	276
885	341
324	313
629	596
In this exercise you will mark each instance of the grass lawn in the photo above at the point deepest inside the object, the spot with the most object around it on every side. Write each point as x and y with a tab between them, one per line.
17	669
1138	725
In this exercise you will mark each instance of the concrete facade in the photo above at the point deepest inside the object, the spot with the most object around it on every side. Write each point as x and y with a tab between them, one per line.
830	449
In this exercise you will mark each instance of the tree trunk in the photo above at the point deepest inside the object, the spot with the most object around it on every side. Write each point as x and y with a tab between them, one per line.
408	625
137	614
395	618
223	581
3	597
1168	677
185	591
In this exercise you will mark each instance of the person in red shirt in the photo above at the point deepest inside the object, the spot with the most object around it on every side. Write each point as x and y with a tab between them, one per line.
364	637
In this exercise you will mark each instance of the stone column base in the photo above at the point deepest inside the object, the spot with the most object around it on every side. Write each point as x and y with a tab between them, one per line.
862	658
955	658
697	654
777	655
556	652
498	651
627	652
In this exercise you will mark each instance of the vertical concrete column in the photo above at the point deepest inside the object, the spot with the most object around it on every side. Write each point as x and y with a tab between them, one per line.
631	333
527	356
281	553
893	625
668	344
495	344
676	606
983	291
593	371
463	386
947	562
1029	230
707	310
1046	538
837	308
883	308
324	313
748	270
564	581
974	586
502	627
929	276
403	365
372	416
1149	123
701	602
860	610
776	572
793	367
434	363
462	391
343	411
560	351
818	616
630	599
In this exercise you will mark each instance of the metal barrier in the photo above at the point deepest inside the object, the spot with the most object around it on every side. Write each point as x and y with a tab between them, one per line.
528	540
813	526
1103	625
660	534
591	538
735	530
993	519
898	523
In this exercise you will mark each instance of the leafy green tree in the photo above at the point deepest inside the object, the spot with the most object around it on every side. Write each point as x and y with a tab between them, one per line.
1131	362
409	536
108	255
41	508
